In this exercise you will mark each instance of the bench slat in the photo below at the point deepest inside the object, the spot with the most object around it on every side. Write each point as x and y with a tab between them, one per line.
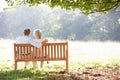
61	51
48	51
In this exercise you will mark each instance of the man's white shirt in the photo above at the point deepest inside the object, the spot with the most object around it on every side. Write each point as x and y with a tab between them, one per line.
27	40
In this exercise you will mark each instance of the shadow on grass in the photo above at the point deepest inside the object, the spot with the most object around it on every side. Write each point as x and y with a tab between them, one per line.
22	75
31	74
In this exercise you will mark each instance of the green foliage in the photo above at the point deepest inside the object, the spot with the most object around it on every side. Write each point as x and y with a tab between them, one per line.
86	6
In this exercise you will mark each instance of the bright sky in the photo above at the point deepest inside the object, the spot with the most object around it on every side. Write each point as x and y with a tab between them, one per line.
3	4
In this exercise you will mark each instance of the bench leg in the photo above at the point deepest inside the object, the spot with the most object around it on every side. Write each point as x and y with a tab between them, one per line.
15	65
47	62
67	66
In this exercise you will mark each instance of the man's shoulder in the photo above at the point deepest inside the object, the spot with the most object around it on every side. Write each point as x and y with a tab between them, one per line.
23	39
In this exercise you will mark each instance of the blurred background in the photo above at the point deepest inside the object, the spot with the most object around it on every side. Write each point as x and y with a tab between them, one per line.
59	23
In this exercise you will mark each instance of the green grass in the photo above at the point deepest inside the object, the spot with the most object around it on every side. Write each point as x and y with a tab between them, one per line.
49	72
82	55
23	75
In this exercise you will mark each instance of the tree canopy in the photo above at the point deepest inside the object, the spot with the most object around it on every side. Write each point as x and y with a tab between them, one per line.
85	6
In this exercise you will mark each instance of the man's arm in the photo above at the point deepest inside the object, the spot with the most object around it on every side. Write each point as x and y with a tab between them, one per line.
44	41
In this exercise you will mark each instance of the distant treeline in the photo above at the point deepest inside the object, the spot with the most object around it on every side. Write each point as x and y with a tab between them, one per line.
60	24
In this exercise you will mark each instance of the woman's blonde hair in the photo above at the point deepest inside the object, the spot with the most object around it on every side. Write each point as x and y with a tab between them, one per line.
37	33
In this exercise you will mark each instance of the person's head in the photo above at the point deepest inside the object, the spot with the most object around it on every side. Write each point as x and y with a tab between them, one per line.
26	31
37	33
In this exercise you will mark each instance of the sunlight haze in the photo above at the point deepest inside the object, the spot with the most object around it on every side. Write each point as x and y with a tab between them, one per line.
3	5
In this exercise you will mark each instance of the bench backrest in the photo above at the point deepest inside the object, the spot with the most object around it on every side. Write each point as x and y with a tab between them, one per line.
48	51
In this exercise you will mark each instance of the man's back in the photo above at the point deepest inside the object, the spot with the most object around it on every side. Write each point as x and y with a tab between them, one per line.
27	40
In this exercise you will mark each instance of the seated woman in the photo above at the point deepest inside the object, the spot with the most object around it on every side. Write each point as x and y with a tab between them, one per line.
37	34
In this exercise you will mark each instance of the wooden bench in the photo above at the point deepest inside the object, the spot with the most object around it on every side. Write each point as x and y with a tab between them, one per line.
57	51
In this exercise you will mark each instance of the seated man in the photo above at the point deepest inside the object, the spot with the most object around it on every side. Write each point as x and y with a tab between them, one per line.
25	39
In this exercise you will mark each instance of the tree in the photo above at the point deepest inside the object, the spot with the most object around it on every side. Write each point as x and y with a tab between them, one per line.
85	6
105	27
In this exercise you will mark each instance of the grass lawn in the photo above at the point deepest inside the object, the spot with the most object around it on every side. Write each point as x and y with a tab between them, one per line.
87	61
